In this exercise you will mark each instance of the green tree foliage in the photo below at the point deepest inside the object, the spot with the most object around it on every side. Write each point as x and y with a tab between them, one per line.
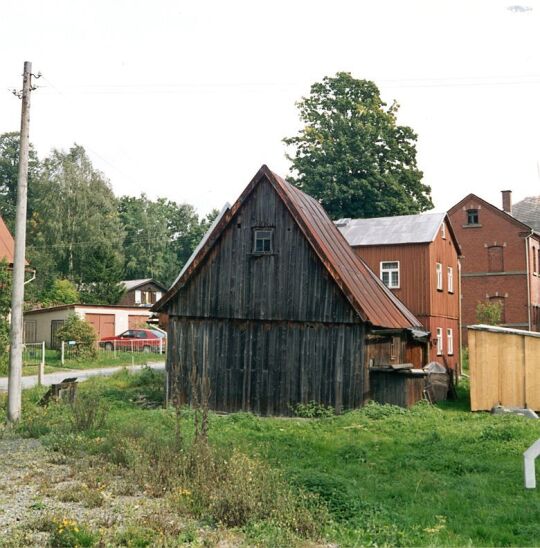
75	224
61	292
353	156
489	313
83	333
9	172
5	306
160	236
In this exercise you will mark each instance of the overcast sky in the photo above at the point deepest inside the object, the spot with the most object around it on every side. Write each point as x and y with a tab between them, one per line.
187	99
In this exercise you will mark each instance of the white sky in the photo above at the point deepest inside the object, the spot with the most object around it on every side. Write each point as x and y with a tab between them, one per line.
187	99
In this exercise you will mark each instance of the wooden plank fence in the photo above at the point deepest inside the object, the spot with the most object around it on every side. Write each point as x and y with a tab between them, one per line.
504	367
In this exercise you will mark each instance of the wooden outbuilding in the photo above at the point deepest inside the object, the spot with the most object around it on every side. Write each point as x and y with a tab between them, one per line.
275	309
504	367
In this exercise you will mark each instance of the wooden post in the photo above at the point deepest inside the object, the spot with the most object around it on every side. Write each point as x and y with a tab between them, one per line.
17	293
62	353
41	370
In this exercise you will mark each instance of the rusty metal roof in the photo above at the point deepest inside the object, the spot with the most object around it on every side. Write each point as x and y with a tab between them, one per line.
371	299
7	244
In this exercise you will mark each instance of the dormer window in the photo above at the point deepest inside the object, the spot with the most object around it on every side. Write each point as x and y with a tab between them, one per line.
262	240
472	216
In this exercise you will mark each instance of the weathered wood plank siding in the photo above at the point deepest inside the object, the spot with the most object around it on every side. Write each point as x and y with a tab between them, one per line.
290	284
267	367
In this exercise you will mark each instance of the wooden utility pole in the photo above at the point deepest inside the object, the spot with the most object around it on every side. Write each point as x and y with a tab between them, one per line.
17	293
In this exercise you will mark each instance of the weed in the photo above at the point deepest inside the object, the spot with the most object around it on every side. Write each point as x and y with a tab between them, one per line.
91	498
65	532
313	410
88	412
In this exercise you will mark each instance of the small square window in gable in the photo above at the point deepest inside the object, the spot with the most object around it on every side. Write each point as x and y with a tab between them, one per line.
472	217
263	240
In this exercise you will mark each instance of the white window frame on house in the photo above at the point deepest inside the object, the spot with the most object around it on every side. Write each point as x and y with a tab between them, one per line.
391	282
449	341
138	296
439	341
438	270
158	296
443	231
450	279
263	235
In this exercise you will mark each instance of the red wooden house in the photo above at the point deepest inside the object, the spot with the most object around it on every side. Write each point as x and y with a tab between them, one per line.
501	261
417	257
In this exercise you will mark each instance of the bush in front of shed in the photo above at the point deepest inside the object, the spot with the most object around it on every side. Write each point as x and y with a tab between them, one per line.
82	334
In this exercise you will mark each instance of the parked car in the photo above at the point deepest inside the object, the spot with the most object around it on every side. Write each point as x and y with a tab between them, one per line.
136	340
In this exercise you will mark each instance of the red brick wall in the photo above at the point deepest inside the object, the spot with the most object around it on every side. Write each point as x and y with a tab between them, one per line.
495	228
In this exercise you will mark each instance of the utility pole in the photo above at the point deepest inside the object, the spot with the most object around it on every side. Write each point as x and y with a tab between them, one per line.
17	293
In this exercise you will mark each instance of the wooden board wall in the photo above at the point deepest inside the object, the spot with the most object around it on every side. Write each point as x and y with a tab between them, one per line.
504	369
268	367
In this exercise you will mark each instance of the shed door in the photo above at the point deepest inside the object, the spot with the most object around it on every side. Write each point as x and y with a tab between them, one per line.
55	326
103	324
135	322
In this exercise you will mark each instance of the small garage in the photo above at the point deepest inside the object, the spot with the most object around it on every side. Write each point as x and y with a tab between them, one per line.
43	324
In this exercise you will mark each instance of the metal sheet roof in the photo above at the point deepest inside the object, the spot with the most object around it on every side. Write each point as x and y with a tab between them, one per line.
132	284
371	299
7	244
528	212
403	229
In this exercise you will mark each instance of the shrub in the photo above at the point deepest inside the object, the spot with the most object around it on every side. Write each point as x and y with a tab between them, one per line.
66	532
79	330
489	313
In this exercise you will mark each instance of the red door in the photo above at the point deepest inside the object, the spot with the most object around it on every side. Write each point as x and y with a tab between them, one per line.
103	324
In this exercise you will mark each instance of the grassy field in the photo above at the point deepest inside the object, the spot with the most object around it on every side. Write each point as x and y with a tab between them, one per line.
379	476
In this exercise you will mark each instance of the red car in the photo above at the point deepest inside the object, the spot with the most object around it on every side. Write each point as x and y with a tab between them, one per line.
136	340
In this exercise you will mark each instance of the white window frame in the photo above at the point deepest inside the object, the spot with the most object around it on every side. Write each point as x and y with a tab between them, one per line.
439	341
450	341
158	296
443	231
390	271
138	296
438	270
450	271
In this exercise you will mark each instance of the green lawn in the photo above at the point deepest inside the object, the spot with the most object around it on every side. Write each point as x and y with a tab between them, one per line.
431	475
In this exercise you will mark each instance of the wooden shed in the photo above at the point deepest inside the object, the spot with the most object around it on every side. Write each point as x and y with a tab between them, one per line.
275	309
504	367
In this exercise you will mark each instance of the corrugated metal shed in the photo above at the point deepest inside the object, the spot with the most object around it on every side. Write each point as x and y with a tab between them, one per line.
402	229
370	298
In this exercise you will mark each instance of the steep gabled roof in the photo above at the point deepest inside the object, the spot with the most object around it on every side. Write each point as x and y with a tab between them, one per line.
401	229
133	284
7	244
369	297
495	209
528	211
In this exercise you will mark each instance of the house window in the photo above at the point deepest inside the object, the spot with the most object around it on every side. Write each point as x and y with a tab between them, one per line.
495	258
438	268
158	295
439	342
450	279
443	231
138	296
262	241
472	216
449	342
390	274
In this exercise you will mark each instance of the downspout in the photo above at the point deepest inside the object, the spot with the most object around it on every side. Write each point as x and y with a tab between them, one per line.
459	321
528	279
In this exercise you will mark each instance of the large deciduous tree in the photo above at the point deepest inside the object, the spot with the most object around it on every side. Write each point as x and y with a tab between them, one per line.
9	173
75	230
353	156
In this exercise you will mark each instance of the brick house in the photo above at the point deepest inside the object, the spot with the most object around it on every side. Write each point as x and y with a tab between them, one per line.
417	257
501	262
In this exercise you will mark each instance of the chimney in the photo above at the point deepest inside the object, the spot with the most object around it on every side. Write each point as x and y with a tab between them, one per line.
507	201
